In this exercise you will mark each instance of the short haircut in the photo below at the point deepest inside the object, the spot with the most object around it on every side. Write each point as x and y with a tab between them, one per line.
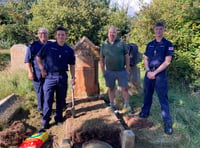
114	28
60	28
159	24
41	29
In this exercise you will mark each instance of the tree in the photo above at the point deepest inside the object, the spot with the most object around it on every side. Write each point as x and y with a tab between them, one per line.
14	18
183	29
80	17
21	19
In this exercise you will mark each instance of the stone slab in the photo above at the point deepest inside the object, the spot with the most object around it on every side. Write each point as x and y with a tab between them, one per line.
8	108
18	52
7	102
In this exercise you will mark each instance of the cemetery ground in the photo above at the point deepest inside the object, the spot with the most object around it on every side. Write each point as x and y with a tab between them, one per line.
90	116
184	110
93	120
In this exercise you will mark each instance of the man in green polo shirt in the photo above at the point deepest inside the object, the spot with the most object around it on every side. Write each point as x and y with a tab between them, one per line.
114	61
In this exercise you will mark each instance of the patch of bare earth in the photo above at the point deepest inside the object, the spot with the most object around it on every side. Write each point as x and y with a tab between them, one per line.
93	120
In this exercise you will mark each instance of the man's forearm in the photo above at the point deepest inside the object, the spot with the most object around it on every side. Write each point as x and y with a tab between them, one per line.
39	61
146	63
72	71
164	65
102	65
41	67
127	60
29	67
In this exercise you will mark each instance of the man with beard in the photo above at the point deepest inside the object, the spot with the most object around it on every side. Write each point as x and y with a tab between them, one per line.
114	61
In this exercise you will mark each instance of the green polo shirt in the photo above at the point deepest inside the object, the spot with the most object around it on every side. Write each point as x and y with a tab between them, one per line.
114	55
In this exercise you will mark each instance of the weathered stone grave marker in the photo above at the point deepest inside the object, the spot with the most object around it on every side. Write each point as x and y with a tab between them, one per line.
86	69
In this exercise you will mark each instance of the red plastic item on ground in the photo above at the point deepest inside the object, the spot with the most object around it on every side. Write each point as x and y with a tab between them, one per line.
35	141
32	143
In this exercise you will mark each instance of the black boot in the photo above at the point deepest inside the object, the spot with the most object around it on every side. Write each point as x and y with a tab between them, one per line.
168	128
43	128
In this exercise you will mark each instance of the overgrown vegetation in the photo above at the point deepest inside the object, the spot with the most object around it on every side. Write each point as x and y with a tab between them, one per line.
20	20
182	19
14	17
4	58
185	114
81	17
16	82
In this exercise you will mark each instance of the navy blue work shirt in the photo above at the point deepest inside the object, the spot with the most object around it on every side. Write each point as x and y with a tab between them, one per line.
31	53
157	51
56	58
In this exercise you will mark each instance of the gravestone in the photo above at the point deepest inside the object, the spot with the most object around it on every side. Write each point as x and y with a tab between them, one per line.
86	68
18	52
134	75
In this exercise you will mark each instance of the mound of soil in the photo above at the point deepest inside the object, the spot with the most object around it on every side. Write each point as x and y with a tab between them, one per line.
137	122
97	129
13	135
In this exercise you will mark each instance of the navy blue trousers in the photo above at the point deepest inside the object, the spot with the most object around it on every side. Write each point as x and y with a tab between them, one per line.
54	83
160	84
38	85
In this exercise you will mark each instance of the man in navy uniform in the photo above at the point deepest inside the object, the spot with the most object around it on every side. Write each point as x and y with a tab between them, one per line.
157	58
34	72
53	60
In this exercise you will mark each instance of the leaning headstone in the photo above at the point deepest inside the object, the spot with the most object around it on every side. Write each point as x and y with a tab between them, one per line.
134	80
134	76
18	52
86	69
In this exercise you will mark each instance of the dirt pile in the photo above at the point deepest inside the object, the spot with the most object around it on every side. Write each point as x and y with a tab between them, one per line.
97	129
13	136
137	122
